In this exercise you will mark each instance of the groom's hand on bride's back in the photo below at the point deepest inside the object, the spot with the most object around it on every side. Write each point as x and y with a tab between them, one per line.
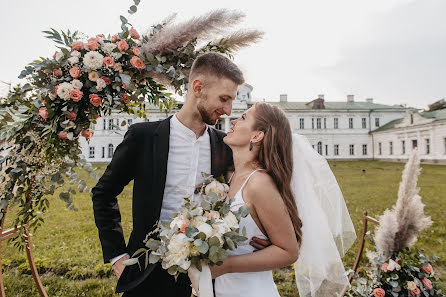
259	244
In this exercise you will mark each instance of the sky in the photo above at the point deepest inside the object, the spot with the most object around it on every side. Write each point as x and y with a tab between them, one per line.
393	51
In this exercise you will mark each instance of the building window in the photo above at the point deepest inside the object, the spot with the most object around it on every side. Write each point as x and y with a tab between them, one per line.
91	152
390	148
318	123
336	149
336	123
364	123
428	146
110	150
92	126
364	149
117	124
403	146
326	149
110	124
129	122
312	146
103	152
301	124
411	119
377	122
352	149
319	148
414	144
218	125
380	148
350	123
312	123
104	122
325	123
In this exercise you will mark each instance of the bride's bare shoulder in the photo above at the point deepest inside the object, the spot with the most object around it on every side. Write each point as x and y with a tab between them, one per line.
261	181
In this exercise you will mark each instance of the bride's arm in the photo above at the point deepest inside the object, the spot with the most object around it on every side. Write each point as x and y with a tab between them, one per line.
274	217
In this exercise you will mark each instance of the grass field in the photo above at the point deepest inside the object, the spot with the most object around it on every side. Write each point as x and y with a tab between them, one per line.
68	253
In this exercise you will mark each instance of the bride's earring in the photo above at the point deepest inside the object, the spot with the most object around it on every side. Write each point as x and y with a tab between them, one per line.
250	145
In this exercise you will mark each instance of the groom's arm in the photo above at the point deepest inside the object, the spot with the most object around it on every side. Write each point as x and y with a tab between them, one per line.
117	175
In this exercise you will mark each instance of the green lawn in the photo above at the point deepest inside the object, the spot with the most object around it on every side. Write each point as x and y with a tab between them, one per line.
68	253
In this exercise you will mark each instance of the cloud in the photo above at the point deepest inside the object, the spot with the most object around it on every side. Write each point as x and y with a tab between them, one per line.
402	59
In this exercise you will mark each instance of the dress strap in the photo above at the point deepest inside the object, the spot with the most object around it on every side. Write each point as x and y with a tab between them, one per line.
230	178
247	179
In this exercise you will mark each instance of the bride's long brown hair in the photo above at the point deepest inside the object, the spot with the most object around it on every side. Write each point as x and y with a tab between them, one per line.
276	155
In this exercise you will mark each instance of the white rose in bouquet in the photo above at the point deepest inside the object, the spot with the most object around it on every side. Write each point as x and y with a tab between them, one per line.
217	188
197	221
231	220
221	226
206	229
178	252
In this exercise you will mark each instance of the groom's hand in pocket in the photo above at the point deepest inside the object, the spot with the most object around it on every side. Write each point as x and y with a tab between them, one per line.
118	267
259	244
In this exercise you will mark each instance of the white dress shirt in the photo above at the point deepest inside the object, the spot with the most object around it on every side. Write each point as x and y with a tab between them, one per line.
188	157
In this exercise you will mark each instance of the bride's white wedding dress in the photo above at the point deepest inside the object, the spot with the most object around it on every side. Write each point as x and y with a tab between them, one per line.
246	284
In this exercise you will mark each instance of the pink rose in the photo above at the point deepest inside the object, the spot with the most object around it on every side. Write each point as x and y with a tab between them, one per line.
95	100
44	102
427	269
378	292
62	135
114	38
384	267
93	76
100	36
77	45
87	133
106	80
126	98
93	44
183	227
124	86
109	62
72	116
427	283
76	95
137	62
122	45
134	34
57	72
415	292
75	72
43	113
136	51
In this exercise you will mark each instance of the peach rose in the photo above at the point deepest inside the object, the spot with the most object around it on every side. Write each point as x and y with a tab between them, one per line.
183	227
93	76
114	38
384	267
62	135
137	62
427	269
95	100
44	102
106	80
93	44
87	133
427	283
77	45
76	95
122	45
124	86
57	72
126	98
72	116
134	34
378	292
75	72
415	292
100	36
109	62
43	113
136	51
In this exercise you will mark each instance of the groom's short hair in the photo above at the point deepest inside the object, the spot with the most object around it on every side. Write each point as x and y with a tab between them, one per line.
218	65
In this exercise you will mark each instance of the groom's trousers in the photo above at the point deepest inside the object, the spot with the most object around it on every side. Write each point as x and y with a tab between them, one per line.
160	284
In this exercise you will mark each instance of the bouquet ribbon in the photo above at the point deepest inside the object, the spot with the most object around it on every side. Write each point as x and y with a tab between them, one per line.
201	281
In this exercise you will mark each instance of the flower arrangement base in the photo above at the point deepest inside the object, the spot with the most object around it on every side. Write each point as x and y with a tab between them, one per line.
4	235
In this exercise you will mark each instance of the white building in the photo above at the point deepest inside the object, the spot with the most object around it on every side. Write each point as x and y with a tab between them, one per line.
337	130
425	131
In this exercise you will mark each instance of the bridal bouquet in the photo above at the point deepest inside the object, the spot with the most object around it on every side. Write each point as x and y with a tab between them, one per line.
199	235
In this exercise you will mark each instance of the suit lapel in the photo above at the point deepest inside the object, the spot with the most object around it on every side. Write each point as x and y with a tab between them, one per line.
160	158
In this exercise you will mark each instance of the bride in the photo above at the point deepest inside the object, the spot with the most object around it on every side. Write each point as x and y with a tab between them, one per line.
267	157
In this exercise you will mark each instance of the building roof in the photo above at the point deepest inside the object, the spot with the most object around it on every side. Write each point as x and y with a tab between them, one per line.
389	125
330	105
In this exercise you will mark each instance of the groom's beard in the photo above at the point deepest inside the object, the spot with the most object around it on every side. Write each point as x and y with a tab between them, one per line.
206	116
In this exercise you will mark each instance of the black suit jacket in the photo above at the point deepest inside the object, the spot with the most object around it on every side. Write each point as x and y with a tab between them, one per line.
142	156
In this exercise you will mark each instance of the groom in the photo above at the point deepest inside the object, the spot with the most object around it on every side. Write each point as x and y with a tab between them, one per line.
165	159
